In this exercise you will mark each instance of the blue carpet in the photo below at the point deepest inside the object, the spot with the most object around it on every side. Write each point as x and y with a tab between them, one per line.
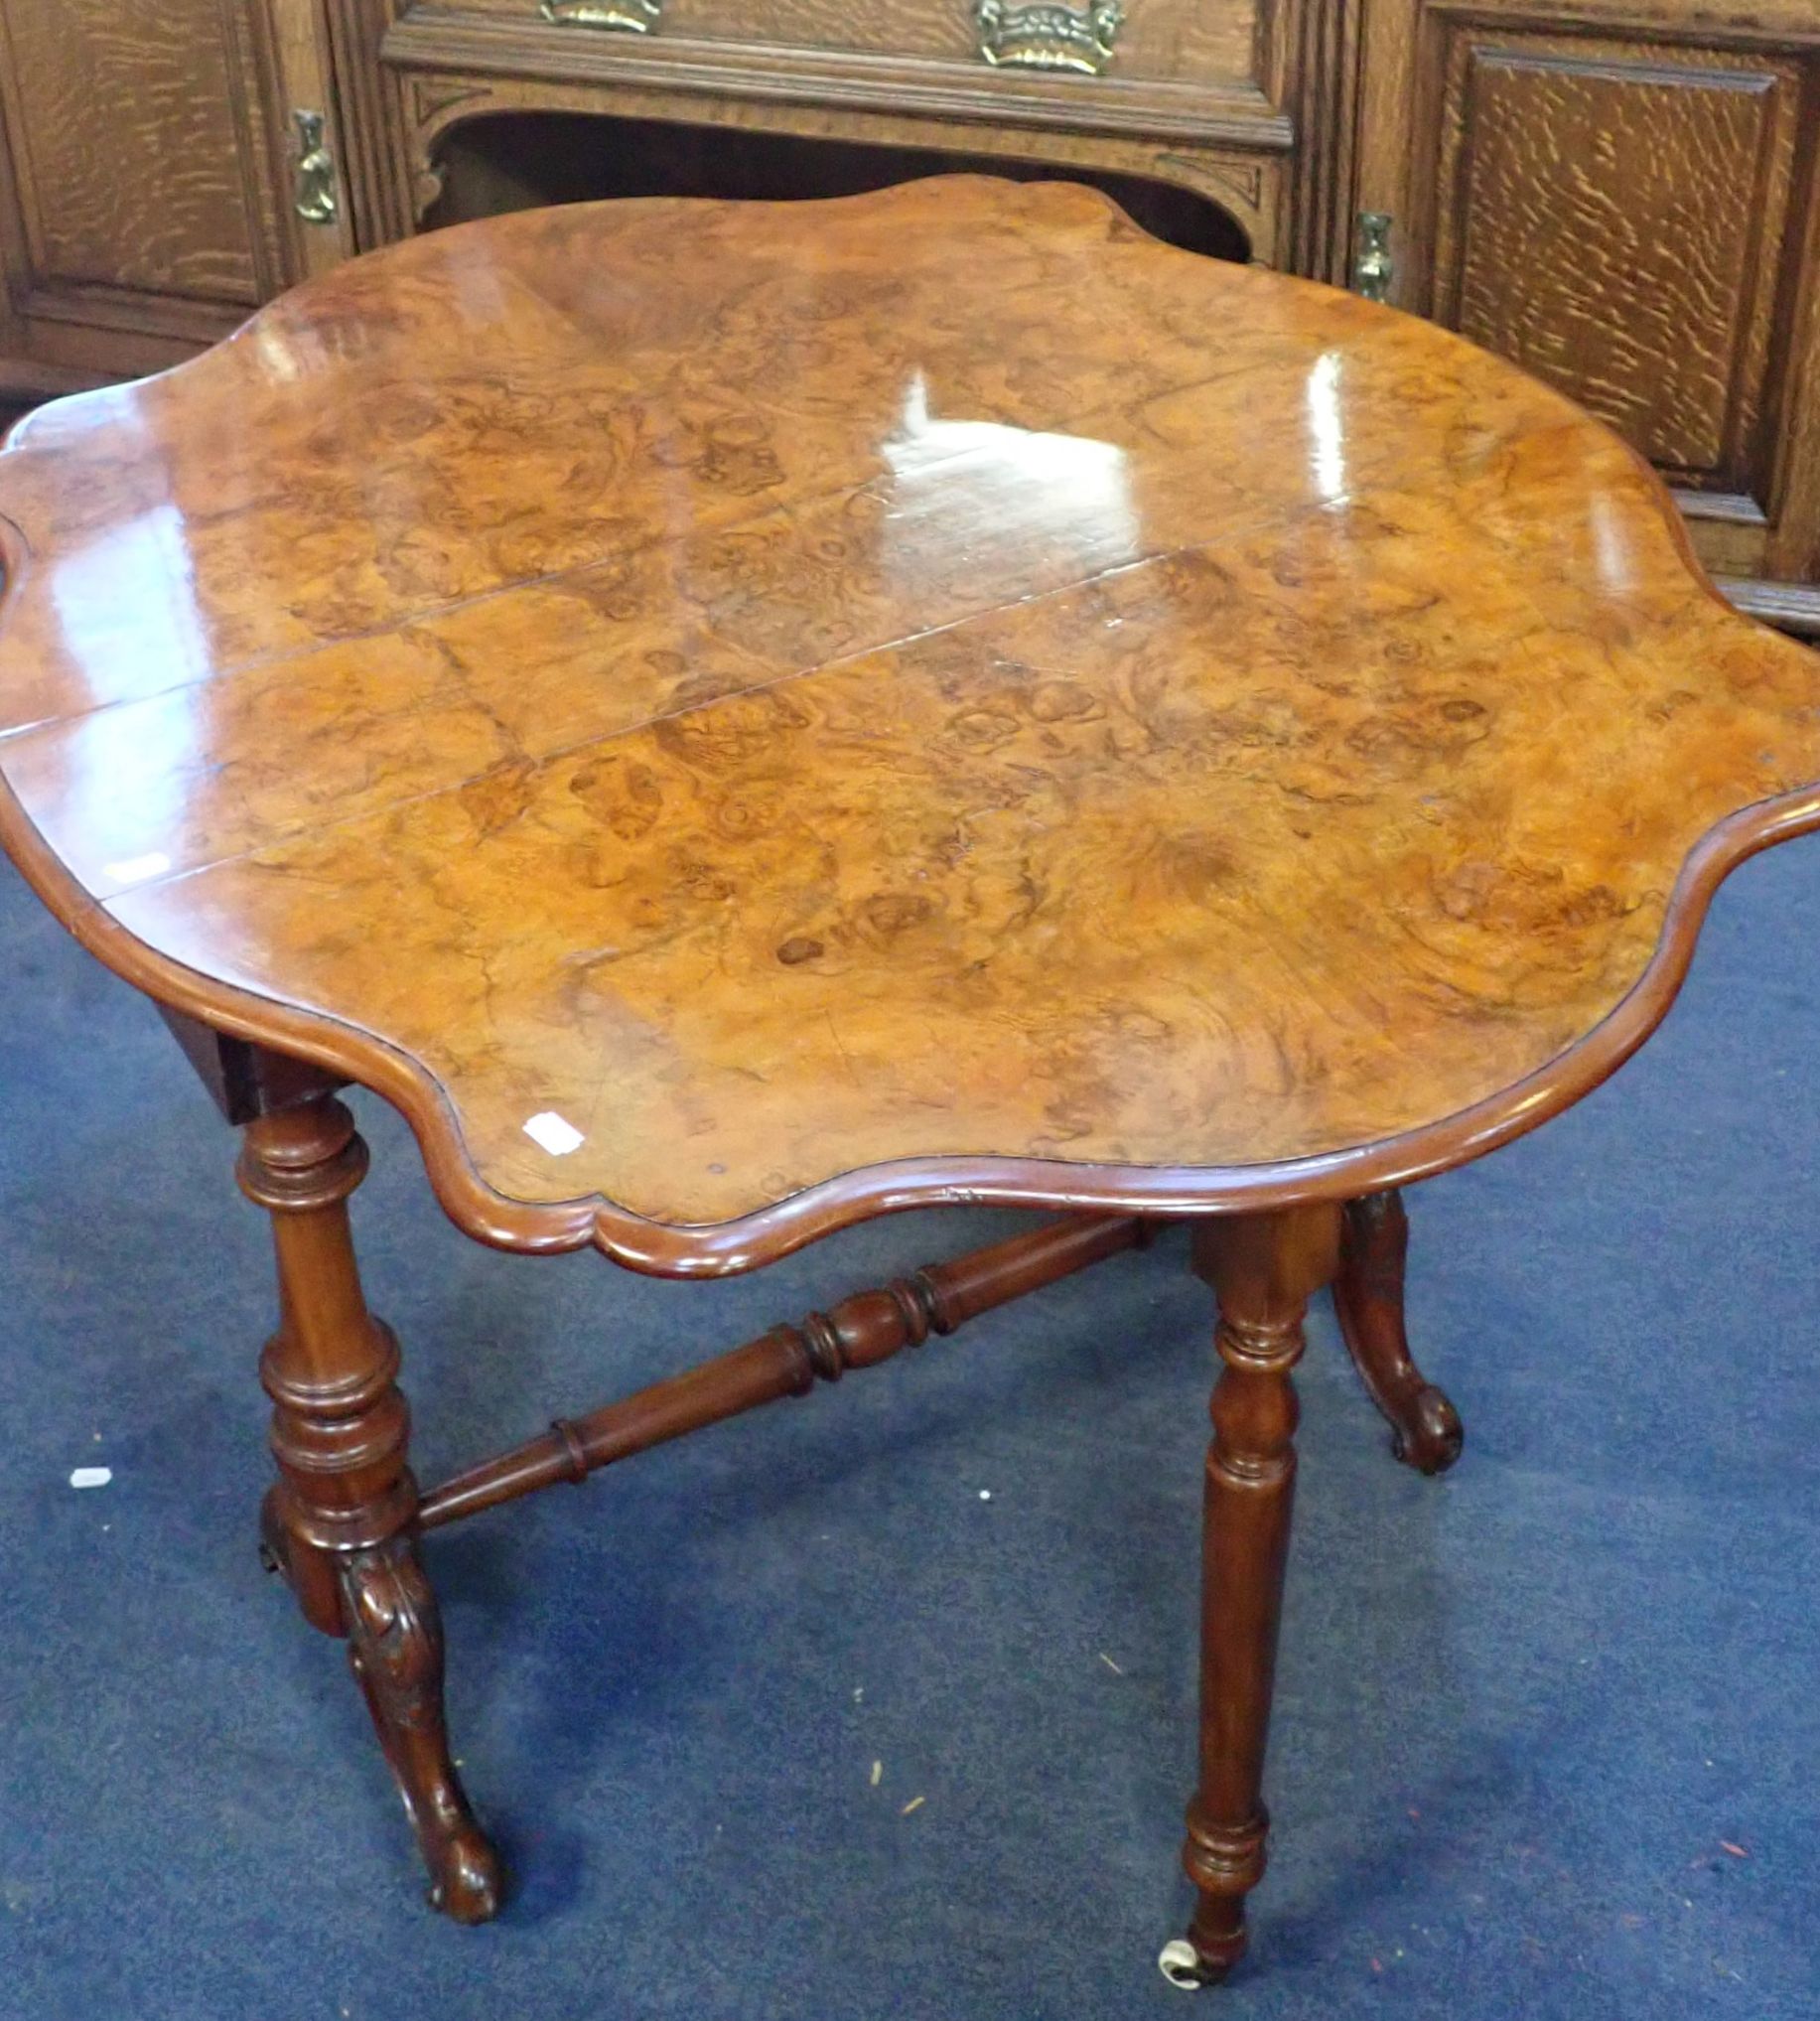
1522	1711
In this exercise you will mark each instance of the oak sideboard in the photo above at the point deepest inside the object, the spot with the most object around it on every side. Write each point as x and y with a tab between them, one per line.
1620	195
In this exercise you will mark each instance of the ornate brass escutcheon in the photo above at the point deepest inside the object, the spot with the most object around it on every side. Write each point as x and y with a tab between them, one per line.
1049	38
313	197
632	17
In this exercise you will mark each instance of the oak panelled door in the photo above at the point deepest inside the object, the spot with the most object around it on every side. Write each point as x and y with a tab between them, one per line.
1624	207
154	187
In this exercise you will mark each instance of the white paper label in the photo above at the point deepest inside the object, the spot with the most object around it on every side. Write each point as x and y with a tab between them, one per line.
556	1135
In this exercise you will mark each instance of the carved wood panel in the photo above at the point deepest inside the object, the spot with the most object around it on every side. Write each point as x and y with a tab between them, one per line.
1248	188
1610	214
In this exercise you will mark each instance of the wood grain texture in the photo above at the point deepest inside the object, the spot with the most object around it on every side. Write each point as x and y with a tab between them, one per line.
1611	218
1178	39
375	157
901	27
305	79
485	145
124	125
146	179
812	79
1319	79
930	696
1621	194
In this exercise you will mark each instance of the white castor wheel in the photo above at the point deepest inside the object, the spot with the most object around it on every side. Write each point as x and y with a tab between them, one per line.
1183	1965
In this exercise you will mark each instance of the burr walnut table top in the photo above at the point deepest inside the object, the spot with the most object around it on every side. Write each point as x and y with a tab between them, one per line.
816	708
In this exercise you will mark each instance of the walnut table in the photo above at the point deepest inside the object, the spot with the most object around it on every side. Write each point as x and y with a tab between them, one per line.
737	719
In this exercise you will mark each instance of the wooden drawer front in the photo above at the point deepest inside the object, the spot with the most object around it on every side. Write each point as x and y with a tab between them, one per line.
1617	216
1195	40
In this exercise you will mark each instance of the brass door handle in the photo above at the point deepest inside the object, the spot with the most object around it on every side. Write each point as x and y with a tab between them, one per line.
1050	38
314	196
630	17
1374	269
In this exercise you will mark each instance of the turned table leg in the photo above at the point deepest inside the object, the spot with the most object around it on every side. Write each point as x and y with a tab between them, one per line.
339	1522
1263	1269
1425	1427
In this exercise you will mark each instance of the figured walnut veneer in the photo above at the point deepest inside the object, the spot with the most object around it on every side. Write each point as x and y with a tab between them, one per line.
924	697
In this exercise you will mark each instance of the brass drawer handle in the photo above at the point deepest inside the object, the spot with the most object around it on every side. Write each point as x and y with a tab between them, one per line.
312	194
1050	37
633	17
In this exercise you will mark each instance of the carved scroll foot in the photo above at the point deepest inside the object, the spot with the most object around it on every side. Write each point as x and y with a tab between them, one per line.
1426	1432
339	1524
395	1648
